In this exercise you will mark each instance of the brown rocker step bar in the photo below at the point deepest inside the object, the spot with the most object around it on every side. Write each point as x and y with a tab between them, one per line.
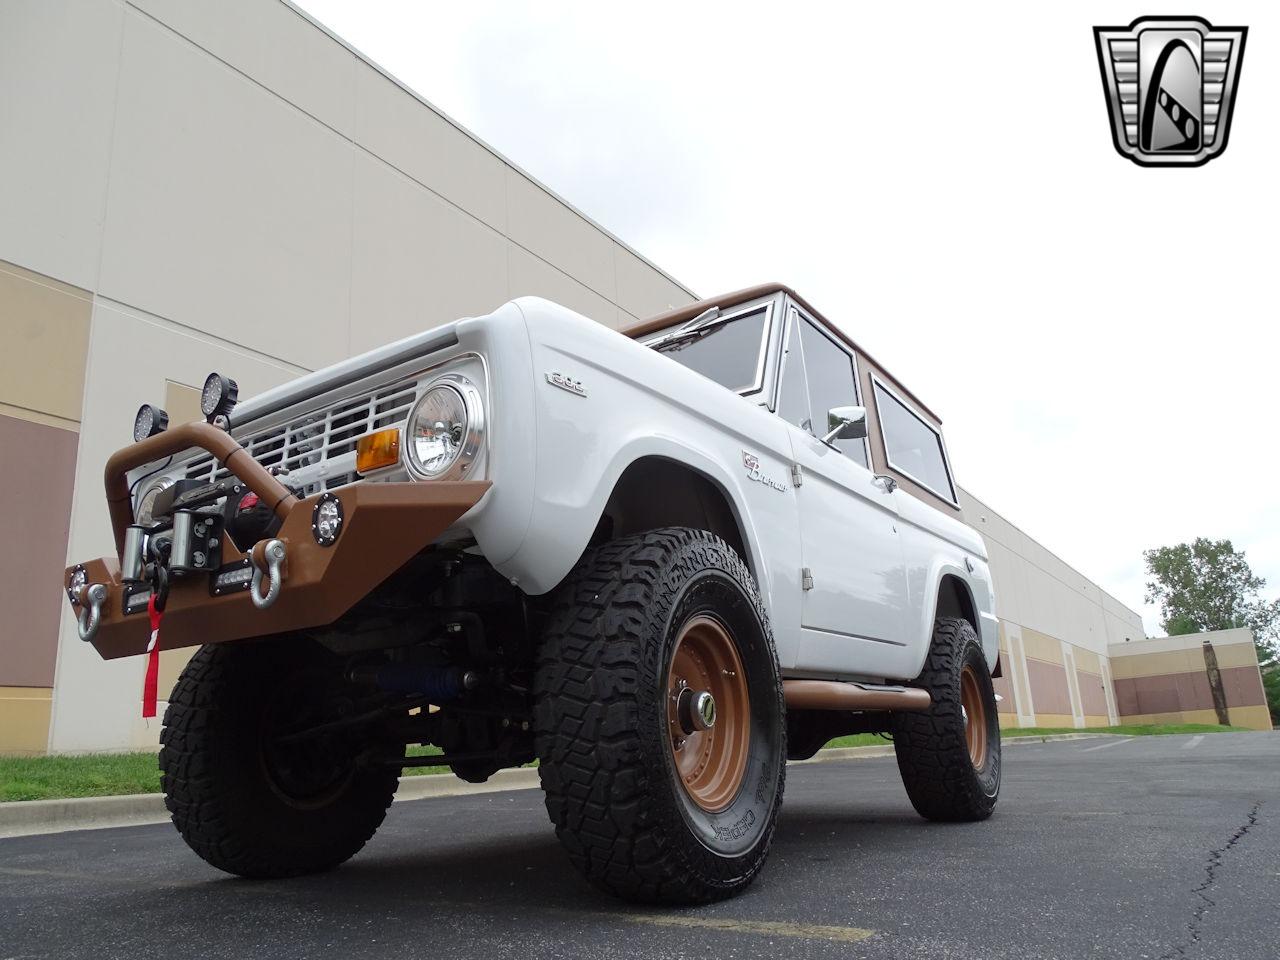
835	695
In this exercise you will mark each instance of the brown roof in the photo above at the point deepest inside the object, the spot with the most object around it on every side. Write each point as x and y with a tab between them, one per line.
725	300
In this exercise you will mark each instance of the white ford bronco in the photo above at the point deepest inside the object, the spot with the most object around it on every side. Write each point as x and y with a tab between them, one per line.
660	561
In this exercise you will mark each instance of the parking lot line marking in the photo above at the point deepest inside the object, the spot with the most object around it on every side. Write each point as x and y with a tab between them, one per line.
1103	746
1193	742
768	928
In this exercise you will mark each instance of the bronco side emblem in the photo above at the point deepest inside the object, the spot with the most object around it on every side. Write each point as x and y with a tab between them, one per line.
752	463
1170	84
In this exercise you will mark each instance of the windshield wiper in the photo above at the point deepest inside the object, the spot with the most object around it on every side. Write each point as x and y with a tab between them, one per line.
702	324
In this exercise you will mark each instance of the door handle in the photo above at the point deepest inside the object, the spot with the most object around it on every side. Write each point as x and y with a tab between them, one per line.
885	482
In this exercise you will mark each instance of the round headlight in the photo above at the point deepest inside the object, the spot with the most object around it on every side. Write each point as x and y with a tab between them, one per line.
444	429
146	502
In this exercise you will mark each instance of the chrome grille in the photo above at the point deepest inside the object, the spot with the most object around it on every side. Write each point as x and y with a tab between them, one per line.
322	436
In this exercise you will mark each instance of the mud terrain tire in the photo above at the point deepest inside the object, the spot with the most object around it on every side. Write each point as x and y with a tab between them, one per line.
638	817
949	757
217	767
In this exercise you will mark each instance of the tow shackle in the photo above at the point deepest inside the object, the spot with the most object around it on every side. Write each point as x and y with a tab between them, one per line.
273	555
90	616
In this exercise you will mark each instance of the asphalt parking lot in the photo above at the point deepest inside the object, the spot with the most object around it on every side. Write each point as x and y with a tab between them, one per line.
1158	847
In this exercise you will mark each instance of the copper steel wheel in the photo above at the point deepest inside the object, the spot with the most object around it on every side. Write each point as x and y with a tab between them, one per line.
708	710
973	708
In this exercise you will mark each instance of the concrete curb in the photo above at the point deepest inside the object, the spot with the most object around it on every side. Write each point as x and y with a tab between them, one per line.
27	817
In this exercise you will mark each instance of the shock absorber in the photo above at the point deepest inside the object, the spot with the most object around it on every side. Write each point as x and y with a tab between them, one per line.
436	684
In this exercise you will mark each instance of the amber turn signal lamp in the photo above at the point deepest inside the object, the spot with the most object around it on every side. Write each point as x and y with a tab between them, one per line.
377	450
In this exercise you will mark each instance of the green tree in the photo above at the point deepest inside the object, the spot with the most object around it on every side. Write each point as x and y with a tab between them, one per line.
1208	585
1271	684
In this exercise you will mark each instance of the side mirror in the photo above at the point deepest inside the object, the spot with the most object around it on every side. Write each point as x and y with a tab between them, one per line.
846	423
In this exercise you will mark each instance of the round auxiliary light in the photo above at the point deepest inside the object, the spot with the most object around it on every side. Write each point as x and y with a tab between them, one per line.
79	577
326	520
444	429
218	397
148	422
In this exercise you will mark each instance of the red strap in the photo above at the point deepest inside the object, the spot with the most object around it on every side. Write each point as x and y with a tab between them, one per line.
151	683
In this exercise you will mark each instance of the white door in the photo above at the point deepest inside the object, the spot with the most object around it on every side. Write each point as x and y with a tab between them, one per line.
854	604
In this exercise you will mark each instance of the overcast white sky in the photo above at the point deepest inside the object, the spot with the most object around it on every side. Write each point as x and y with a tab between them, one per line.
1101	340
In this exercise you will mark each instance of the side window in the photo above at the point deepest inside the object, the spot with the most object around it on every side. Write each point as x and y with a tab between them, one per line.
793	400
832	383
913	446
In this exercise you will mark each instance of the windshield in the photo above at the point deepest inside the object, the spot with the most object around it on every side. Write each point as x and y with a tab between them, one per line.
729	352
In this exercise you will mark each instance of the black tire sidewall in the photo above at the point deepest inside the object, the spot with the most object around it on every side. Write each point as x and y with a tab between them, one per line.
232	812
286	821
931	748
737	830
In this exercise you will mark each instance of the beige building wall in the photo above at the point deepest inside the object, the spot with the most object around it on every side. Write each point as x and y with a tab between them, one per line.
1057	628
44	329
188	186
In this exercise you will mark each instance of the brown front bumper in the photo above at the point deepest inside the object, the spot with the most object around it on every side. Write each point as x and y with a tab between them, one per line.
385	524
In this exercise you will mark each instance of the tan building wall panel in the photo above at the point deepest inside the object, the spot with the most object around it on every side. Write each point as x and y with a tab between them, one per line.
1040	646
1018	672
44	327
24	719
1086	660
37	500
1255	718
1055	720
1180	661
1252	718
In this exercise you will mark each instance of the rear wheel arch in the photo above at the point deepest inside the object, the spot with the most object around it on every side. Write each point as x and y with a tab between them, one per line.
955	600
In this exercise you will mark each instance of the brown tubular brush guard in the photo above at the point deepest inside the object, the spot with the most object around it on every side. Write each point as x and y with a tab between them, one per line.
384	525
209	438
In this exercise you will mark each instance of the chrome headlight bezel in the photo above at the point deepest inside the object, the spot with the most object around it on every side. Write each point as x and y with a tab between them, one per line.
462	466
